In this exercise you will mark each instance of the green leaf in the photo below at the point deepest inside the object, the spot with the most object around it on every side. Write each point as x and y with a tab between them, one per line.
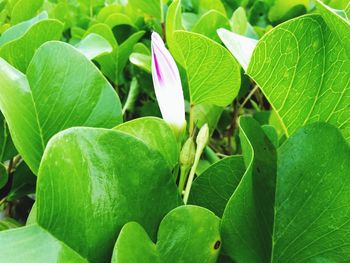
94	45
214	187
134	245
8	223
104	31
209	23
3	175
36	246
203	6
186	234
142	61
23	182
173	23
150	7
247	222
24	10
281	7
206	113
106	179
20	51
240	46
112	65
312	199
7	149
303	70
156	134
340	26
62	89
17	31
240	24
213	74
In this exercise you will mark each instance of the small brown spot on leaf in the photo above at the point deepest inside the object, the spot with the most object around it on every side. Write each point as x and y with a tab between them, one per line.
217	244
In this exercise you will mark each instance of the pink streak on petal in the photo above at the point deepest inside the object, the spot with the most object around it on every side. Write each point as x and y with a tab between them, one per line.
157	67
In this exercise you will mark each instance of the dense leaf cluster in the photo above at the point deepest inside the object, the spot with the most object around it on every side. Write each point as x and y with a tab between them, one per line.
89	172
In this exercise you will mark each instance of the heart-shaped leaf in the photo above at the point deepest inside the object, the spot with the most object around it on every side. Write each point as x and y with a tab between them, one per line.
186	234
213	74
106	179
62	89
302	68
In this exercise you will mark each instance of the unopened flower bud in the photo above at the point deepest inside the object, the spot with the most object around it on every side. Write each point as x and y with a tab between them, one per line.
202	138
188	153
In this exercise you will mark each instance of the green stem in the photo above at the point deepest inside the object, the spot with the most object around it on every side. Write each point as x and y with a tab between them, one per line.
191	121
190	180
211	155
132	96
183	175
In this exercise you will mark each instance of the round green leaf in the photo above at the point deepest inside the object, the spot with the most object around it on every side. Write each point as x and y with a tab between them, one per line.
93	181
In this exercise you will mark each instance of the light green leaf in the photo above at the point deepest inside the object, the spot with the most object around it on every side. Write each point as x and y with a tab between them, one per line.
247	222
209	23
62	89
94	45
312	199
186	234
104	31
20	51
281	7
17	31
156	134
207	113
203	6
213	74
112	65
340	26
110	178
173	23
303	70
142	61
240	24
214	187
36	246
240	46
8	223
150	7
24	10
118	19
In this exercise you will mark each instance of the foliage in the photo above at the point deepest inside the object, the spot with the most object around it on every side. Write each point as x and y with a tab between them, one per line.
90	172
